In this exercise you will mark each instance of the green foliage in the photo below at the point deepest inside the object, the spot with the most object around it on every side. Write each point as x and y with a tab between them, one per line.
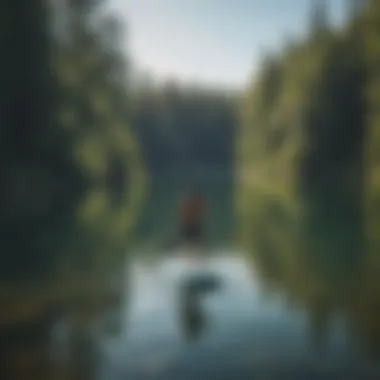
103	147
309	189
72	170
304	119
372	141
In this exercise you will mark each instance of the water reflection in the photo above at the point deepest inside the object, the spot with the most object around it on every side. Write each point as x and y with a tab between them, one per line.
192	316
313	249
190	321
303	302
192	291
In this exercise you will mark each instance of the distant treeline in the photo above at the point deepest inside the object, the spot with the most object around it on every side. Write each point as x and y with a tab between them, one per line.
184	128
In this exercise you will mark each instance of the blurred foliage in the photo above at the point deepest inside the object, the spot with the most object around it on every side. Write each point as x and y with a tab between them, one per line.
308	184
72	179
304	119
71	168
307	122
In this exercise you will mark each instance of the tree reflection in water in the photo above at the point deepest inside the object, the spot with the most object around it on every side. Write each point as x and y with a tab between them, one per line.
316	249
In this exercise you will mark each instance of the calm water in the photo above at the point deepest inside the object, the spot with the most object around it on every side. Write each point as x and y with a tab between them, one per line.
301	300
240	328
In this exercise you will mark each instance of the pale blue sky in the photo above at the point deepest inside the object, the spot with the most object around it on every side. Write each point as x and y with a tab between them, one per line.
211	41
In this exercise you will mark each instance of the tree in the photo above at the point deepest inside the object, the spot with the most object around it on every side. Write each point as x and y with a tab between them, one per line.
70	163
319	225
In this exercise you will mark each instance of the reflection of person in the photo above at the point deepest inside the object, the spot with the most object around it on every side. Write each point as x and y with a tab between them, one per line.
191	218
192	316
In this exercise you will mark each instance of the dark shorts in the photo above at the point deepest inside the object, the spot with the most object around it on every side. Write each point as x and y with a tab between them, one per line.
192	232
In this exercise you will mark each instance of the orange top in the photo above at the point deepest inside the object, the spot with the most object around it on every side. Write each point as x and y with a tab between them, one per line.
192	210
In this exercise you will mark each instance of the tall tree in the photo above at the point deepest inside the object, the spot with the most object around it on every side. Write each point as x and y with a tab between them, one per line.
29	144
70	163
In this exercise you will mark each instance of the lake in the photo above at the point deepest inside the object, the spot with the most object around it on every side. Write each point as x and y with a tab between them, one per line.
242	330
297	293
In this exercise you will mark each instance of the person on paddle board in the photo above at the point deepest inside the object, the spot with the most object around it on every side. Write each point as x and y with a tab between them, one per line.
192	217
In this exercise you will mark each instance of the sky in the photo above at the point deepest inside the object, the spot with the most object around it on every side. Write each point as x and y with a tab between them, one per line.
215	42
